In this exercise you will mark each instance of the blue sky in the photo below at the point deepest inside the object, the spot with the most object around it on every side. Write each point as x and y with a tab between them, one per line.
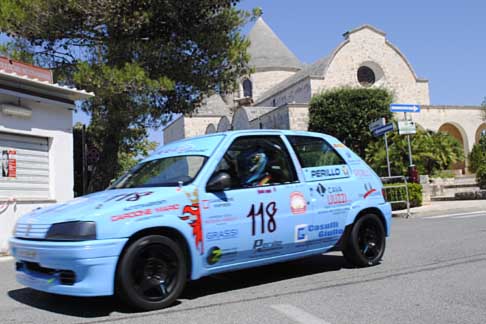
445	41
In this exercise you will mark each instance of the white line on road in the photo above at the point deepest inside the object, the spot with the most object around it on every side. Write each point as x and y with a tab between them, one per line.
5	259
471	216
459	214
298	314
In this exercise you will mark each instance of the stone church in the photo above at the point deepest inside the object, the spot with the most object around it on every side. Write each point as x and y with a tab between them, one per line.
278	93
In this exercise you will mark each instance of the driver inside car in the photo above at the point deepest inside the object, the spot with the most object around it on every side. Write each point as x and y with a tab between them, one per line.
254	166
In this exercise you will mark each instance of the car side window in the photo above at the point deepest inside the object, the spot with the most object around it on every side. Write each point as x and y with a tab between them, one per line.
254	161
314	152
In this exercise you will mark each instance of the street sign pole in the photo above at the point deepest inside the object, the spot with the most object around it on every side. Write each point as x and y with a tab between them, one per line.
409	146
387	156
378	128
409	150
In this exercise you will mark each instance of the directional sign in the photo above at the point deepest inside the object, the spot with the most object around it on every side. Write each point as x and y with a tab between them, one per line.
406	127
377	123
383	129
411	108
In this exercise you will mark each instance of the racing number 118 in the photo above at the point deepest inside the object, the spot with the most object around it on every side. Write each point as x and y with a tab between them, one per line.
270	210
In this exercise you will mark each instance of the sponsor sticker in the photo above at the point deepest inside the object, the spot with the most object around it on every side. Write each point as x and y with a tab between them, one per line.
222	234
304	232
149	204
145	212
217	255
261	245
298	204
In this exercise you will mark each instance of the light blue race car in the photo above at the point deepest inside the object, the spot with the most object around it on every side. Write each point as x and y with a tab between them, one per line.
206	205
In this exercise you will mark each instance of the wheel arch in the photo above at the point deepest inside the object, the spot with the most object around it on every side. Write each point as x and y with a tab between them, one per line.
372	210
169	232
368	210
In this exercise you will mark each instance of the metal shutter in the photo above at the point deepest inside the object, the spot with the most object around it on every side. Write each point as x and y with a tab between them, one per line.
28	167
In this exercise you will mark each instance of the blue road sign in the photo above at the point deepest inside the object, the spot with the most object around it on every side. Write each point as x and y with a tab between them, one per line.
405	108
383	129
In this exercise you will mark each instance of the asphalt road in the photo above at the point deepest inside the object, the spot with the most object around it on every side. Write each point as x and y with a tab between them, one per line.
434	271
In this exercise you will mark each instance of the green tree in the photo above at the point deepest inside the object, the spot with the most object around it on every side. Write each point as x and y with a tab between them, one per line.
477	157
145	60
346	114
18	50
431	152
128	159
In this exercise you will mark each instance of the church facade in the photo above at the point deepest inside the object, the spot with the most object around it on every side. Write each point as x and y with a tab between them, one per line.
278	93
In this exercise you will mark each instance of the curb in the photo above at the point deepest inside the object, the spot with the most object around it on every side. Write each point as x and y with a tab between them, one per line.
6	258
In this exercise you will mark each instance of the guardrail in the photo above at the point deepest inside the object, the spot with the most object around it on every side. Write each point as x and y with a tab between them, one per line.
399	194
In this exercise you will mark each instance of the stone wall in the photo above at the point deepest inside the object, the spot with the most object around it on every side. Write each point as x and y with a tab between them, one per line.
299	117
262	81
197	125
299	92
175	131
276	119
467	120
366	47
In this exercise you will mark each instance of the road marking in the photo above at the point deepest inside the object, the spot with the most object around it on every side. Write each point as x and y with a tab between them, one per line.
471	216
5	259
459	214
298	314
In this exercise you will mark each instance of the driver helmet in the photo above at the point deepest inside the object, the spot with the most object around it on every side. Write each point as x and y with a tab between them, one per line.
254	167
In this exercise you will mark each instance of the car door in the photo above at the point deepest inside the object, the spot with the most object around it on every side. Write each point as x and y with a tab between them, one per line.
328	177
254	218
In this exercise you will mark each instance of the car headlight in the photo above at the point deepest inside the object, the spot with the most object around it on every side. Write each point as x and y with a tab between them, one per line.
72	231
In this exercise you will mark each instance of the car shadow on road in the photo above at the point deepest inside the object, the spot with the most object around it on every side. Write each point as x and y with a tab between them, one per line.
263	275
86	307
94	307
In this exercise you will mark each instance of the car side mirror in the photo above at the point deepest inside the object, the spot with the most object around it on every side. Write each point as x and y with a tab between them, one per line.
219	182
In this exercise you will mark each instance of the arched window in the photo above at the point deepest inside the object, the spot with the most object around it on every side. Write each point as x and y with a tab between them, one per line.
247	89
366	76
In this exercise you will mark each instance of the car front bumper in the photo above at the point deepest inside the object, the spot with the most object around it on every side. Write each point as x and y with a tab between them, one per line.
85	268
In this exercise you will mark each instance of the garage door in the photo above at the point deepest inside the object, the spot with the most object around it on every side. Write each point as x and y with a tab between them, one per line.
25	167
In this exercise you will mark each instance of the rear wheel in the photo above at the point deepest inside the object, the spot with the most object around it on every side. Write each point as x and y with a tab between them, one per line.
365	243
152	273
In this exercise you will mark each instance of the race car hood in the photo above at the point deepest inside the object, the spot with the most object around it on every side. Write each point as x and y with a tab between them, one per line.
109	206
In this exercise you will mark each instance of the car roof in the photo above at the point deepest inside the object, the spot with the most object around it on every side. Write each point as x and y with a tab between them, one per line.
206	144
234	133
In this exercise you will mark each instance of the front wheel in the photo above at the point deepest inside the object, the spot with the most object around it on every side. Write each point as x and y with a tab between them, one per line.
152	273
365	243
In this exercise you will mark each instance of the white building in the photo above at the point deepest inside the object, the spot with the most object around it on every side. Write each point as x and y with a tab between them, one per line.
36	143
277	94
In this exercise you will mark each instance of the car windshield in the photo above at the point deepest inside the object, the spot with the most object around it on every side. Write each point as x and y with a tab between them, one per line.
169	171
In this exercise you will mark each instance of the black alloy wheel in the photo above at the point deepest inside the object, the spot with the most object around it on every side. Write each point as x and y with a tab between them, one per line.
365	244
152	273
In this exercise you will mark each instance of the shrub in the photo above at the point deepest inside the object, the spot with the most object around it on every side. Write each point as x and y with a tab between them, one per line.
414	192
444	174
481	176
431	151
346	113
477	157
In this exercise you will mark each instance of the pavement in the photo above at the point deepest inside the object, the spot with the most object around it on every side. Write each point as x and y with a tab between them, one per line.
432	272
437	208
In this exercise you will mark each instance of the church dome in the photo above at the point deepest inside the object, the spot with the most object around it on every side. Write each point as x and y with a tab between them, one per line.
268	52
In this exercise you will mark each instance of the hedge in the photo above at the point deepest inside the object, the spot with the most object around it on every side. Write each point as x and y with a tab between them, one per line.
414	192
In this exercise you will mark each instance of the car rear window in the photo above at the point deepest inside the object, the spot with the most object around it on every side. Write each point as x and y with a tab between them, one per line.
314	152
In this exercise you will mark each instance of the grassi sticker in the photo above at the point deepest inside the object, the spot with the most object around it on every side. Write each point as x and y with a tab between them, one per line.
298	204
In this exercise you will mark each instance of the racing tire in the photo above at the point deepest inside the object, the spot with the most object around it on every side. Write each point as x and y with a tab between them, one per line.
151	273
365	244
